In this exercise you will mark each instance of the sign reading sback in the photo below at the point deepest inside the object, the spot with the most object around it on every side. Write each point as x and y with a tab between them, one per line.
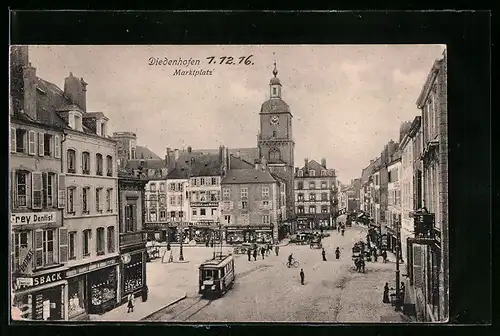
32	218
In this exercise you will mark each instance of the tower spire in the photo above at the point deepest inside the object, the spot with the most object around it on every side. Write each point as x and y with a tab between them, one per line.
275	71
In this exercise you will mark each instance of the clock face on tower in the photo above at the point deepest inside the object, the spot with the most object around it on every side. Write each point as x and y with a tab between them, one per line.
274	120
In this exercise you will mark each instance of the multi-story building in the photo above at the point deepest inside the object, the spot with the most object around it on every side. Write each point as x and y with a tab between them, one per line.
155	206
252	204
315	195
275	139
393	215
430	250
178	207
91	214
408	158
39	244
131	200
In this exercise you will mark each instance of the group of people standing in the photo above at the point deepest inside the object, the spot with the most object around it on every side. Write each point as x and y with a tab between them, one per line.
265	250
399	296
337	253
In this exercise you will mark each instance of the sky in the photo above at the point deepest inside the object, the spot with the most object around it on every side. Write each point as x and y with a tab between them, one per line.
347	101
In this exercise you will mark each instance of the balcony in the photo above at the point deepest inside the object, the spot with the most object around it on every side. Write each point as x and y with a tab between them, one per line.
132	238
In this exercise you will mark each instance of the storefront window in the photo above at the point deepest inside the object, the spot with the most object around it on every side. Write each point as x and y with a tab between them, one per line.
133	274
76	297
103	290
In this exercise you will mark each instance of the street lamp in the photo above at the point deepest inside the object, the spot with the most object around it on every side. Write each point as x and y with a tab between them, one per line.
398	289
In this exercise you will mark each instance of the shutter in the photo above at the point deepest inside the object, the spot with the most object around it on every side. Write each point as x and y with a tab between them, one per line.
31	143
61	192
418	274
41	144
45	177
13	189
133	217
57	147
63	245
13	140
38	248
36	190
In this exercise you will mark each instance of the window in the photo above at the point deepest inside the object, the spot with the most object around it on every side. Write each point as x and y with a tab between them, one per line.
227	219
266	220
323	172
71	200
244	192
98	192
172	186
194	181
301	173
226	193
162	187
152	215
20	247
152	187
324	196
214	211
45	248
195	213
300	197
21	189
324	185
274	154
85	200
47	144
130	216
109	193
172	200
179	187
31	143
300	185
181	214
244	205
179	200
109	163
71	157
312	209
312	172
19	140
312	197
72	245
100	241
274	91
86	242
324	209
99	163
203	212
77	122
265	203
111	239
274	134
214	181
312	185
202	181
86	163
163	215
163	201
265	192
48	189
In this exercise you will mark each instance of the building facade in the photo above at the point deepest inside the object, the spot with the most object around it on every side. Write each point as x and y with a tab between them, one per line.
155	206
315	195
251	205
38	238
393	216
429	248
131	200
275	139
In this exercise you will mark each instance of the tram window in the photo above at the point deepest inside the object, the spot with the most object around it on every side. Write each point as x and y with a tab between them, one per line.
209	274
222	272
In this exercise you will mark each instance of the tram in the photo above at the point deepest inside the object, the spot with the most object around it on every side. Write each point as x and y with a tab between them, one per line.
216	276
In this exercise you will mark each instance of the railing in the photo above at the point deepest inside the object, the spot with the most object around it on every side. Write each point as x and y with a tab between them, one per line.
132	238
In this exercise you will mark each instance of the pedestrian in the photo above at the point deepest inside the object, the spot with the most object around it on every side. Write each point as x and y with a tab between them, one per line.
384	256
277	250
130	304
255	254
338	227
402	293
262	251
302	276
385	298
343	230
323	253
249	253
375	255
337	253
268	251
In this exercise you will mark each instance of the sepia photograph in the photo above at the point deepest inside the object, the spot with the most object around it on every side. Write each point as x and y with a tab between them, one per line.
207	184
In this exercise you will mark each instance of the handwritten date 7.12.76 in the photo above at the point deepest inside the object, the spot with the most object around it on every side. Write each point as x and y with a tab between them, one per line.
246	60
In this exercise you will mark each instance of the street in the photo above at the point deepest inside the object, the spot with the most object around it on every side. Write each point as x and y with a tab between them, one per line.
266	290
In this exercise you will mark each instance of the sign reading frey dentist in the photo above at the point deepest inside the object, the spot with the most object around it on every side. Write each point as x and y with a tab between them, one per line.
32	218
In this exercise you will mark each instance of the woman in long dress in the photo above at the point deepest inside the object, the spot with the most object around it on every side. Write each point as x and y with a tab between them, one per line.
386	294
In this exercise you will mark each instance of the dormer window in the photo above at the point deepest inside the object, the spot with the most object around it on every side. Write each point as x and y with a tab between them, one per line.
78	122
301	173
103	129
323	173
311	173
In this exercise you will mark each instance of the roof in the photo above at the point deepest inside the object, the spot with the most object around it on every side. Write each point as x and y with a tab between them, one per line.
244	176
49	97
275	105
368	171
424	93
146	153
239	163
247	154
148	164
314	165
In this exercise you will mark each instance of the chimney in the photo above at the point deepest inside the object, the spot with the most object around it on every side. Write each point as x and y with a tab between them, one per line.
323	162
18	60
189	149
371	161
75	89
176	154
306	161
29	84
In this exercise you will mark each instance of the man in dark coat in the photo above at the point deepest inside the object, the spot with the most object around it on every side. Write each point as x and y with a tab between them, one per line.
302	276
255	254
262	251
249	253
277	250
323	253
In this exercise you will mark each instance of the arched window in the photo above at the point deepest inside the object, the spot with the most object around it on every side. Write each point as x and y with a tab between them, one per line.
71	161
98	161
86	163
109	164
274	154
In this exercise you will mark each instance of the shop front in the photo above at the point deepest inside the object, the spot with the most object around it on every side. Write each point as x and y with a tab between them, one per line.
42	297
92	288
303	223
234	235
133	270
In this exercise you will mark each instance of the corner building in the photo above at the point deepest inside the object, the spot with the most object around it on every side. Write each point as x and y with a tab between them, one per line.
275	140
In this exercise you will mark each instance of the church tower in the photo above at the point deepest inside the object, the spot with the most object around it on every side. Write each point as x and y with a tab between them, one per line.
275	140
